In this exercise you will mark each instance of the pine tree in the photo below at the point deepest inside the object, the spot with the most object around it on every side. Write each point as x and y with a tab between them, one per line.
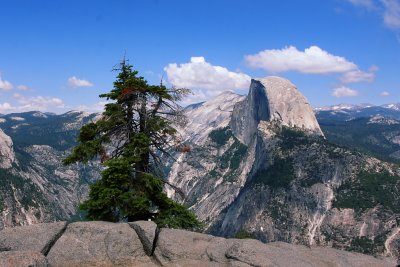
135	129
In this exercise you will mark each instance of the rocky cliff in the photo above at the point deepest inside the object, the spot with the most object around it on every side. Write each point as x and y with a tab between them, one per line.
34	184
272	99
7	155
143	244
270	172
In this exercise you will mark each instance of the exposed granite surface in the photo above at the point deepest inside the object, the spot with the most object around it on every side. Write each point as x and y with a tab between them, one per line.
7	155
143	244
272	99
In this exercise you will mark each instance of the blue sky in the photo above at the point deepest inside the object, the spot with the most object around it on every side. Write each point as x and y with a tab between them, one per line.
58	55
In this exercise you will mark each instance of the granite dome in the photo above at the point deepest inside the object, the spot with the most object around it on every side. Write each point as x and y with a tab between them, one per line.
273	99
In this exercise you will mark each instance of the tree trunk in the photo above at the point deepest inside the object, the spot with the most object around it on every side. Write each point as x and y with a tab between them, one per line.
143	165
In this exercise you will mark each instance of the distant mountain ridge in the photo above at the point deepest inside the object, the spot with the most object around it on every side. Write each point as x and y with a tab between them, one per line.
370	129
342	106
349	112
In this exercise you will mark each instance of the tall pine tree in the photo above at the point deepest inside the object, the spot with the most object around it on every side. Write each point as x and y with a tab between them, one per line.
135	129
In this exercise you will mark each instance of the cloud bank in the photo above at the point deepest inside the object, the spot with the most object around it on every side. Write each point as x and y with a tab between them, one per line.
312	60
200	74
39	103
205	79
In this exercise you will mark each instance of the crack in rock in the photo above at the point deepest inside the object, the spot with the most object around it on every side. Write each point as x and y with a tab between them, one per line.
45	251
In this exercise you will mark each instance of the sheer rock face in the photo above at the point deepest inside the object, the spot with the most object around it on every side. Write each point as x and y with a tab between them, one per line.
272	99
7	156
202	119
118	244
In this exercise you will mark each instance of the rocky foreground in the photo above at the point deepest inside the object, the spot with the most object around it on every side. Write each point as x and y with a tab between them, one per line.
143	244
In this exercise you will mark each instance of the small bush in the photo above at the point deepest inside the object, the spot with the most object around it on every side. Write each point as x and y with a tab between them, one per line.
243	234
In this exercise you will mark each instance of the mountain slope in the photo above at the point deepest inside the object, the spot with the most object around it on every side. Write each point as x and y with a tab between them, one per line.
278	178
375	133
34	184
7	155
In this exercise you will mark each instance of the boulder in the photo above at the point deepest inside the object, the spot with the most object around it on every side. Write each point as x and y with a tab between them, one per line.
98	244
176	245
22	259
37	237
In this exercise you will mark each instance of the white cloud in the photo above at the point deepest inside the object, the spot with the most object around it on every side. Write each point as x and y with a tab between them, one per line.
23	87
388	9
391	15
75	82
205	78
369	4
359	76
5	107
41	103
5	85
312	60
385	93
344	92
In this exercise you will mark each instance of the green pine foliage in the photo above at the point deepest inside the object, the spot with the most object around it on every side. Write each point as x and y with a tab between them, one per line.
278	175
370	190
243	234
221	136
229	162
360	134
135	129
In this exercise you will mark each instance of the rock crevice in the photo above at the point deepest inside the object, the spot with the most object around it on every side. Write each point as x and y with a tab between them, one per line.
45	251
